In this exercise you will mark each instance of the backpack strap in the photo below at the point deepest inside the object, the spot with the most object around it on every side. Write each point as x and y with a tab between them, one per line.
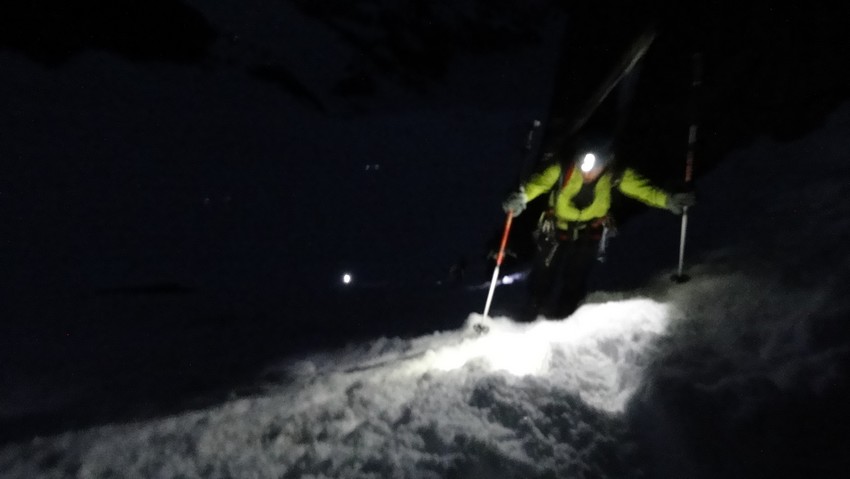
616	175
563	179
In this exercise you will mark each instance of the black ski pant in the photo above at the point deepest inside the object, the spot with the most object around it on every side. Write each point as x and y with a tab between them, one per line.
558	279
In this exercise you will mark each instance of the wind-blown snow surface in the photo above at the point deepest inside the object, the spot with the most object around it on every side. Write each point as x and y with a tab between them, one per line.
740	372
521	400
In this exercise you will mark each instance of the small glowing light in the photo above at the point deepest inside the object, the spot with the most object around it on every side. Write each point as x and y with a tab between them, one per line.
346	278
507	280
588	162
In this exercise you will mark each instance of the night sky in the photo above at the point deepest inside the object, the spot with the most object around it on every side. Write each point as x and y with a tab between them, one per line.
169	138
252	152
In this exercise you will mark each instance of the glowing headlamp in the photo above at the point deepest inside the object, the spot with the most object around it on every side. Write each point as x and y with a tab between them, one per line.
588	162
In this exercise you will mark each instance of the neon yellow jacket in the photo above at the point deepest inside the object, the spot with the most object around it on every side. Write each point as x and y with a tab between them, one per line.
631	184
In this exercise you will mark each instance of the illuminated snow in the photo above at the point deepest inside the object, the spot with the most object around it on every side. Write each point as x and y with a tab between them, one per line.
396	404
591	354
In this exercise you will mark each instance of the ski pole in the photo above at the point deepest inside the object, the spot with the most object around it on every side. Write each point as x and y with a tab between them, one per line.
499	259
680	277
528	149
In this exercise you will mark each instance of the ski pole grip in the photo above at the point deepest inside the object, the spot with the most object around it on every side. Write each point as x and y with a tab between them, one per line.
689	161
696	82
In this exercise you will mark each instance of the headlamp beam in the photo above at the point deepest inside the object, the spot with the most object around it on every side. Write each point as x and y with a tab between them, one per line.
588	162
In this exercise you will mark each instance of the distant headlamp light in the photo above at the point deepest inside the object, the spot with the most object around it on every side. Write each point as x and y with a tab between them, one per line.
588	162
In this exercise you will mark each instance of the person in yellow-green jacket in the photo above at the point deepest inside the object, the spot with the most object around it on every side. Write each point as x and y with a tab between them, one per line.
570	230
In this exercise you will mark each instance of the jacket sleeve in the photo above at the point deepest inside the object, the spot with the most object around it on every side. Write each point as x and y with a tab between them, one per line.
542	182
636	186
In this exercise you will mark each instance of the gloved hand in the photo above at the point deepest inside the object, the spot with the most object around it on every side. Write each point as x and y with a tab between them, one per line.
515	203
678	201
